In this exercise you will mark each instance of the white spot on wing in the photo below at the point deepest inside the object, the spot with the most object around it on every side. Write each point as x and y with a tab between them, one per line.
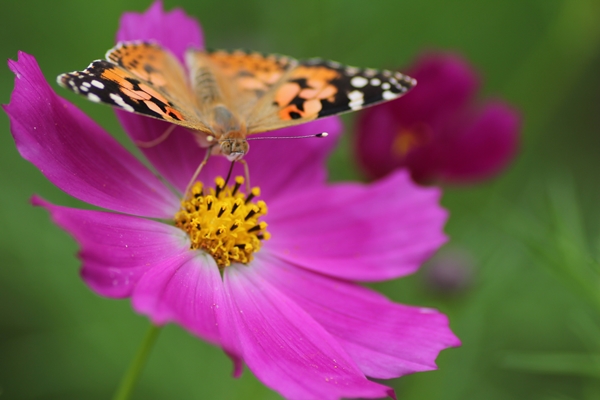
98	84
386	86
359	82
120	102
93	97
355	95
375	82
387	95
356	100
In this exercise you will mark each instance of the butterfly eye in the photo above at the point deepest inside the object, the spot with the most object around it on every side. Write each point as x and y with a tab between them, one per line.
225	147
241	146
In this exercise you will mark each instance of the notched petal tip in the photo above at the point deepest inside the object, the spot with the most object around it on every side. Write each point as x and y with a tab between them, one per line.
25	64
238	364
38	201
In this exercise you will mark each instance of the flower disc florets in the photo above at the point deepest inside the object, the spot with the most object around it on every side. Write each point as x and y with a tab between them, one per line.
223	222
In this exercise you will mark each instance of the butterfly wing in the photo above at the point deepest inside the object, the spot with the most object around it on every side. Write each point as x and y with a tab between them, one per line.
318	88
230	90
142	78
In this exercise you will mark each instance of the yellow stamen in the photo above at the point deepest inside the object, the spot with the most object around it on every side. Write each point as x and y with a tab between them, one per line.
224	222
408	139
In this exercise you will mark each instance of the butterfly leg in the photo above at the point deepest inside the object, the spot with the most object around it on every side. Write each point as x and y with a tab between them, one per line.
247	173
158	140
197	172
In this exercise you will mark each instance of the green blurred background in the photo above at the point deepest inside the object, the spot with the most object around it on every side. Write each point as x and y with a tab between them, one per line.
529	318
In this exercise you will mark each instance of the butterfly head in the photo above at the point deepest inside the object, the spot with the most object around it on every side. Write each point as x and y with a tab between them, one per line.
234	148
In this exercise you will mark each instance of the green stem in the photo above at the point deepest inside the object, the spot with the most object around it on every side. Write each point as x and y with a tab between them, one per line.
134	371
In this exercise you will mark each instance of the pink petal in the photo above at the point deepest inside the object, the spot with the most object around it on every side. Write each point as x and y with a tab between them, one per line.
126	256
376	129
385	339
176	158
75	153
187	290
484	147
173	30
358	232
286	348
288	166
116	250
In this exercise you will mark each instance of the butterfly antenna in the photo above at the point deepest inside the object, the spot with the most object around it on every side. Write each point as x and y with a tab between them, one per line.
318	135
158	140
197	172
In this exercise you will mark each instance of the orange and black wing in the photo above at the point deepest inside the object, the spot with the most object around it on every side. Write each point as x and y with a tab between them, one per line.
317	88
142	78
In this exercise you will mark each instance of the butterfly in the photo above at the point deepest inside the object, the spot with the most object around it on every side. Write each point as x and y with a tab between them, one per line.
227	95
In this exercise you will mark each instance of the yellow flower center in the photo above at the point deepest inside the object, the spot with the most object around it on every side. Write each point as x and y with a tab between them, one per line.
224	222
409	139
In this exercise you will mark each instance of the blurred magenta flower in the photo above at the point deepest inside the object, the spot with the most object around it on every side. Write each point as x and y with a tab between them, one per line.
437	131
294	313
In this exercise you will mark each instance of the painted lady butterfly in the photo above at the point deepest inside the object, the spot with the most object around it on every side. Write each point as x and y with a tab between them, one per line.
229	95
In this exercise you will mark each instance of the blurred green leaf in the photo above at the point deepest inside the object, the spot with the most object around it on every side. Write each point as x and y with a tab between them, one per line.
587	329
555	363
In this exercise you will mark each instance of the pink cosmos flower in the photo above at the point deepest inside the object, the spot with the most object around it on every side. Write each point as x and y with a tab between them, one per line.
437	131
294	313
